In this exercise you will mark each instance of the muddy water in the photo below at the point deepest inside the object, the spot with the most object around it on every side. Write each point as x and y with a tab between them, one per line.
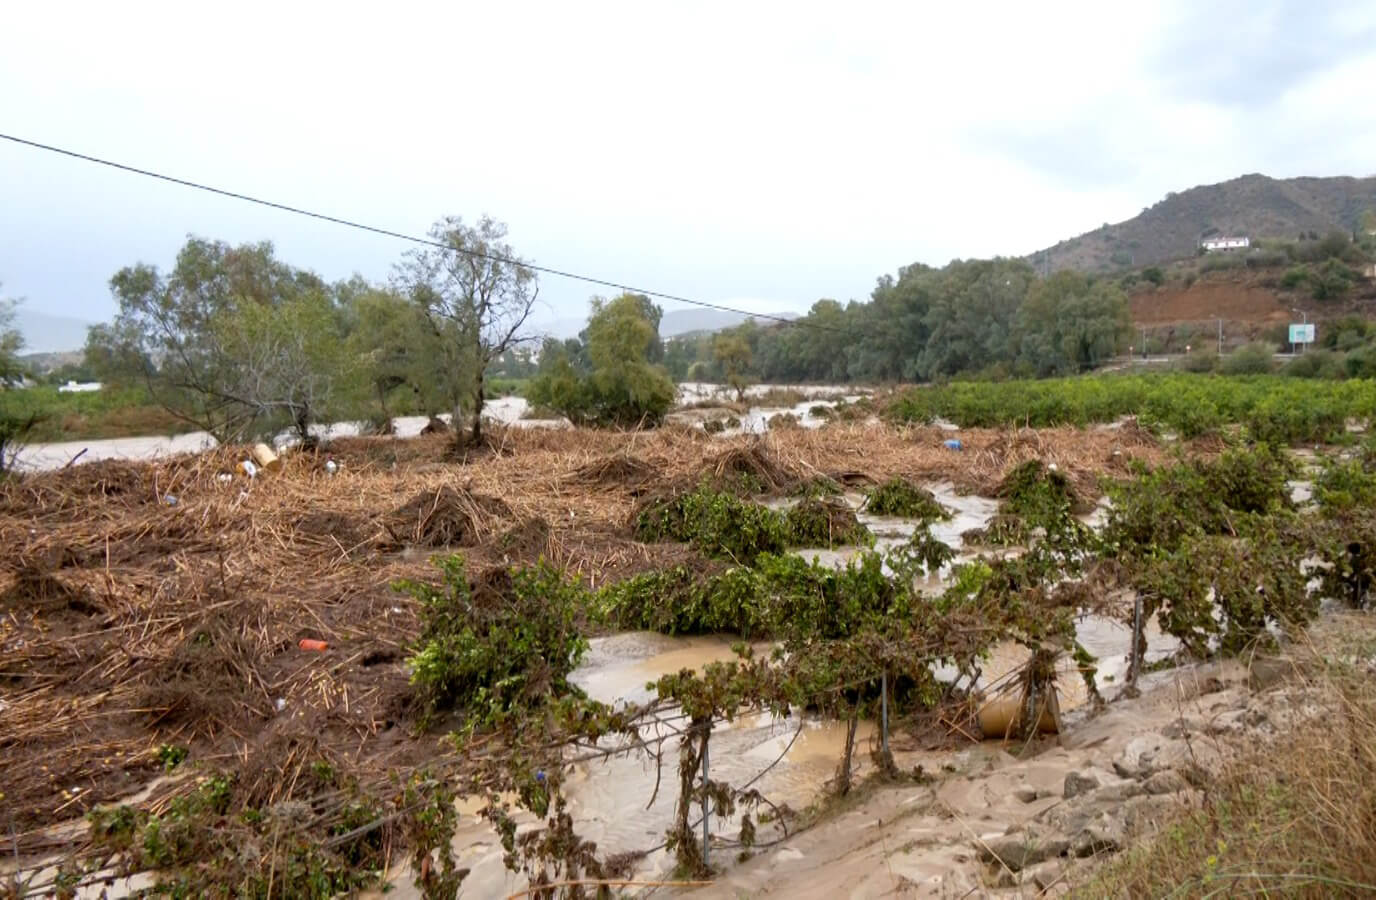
41	457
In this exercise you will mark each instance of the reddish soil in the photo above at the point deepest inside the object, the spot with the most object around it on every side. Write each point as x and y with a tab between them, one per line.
1204	300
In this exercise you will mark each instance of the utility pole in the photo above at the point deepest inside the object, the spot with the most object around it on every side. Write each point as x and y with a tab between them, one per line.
1220	335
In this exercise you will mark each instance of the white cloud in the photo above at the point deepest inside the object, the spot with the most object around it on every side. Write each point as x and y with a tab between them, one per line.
777	151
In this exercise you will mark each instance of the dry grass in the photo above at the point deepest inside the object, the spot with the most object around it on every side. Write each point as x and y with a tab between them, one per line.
1295	818
128	622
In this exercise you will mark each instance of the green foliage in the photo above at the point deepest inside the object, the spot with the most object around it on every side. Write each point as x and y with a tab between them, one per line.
1315	364
1273	408
900	497
1156	510
1069	323
721	524
777	596
197	848
1249	359
621	385
1154	275
497	648
171	756
1295	277
819	523
716	522
476	295
1332	280
1346	485
731	350
1213	589
16	422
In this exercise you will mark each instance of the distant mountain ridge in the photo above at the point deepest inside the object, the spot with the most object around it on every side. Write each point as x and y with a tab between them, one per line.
673	323
1253	206
47	333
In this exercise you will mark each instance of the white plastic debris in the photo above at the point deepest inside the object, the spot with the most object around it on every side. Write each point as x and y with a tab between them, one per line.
331	467
249	468
280	704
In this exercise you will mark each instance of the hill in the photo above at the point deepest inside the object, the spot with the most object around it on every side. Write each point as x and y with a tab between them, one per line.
674	323
1254	206
47	333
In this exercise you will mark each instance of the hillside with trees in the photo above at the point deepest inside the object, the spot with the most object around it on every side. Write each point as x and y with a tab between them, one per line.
1253	205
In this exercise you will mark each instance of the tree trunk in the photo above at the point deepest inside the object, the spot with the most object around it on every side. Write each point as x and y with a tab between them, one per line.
478	399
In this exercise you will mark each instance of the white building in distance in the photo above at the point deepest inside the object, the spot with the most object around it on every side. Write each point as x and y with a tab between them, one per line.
1211	245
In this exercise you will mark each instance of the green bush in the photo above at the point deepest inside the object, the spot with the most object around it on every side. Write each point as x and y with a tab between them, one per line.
718	523
1346	486
497	647
1249	359
778	596
1315	364
1274	408
1295	277
900	497
1156	509
1199	363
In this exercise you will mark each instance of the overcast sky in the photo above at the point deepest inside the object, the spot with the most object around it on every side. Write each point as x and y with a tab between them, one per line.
754	154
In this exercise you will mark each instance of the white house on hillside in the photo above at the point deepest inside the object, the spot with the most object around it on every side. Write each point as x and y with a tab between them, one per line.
1225	243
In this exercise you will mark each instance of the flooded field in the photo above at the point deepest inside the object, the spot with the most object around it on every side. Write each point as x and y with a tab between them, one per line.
254	626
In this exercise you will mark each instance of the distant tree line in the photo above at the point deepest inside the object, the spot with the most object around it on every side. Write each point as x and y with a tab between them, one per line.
235	341
975	317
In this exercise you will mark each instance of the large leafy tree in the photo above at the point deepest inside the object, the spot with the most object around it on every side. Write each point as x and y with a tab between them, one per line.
1070	323
733	353
623	387
232	340
476	296
396	348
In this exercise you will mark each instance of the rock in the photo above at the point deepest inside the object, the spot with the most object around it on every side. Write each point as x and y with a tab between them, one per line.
1027	794
1105	834
1231	722
1046	875
1266	671
1180	728
1118	791
1167	781
1149	753
1021	849
1077	783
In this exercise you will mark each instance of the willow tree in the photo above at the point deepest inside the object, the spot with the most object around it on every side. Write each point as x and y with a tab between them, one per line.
476	296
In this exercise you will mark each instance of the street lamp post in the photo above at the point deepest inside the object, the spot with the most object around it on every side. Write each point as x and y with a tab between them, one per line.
1304	320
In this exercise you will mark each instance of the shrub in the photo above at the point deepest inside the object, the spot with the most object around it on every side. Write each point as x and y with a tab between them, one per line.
823	523
717	523
1250	359
1154	275
1154	511
1345	486
494	648
900	497
1200	362
1332	280
1294	277
1315	364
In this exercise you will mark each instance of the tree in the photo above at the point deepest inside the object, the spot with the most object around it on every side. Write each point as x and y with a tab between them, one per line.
624	387
289	362
1069	323
476	296
16	419
393	343
731	349
192	337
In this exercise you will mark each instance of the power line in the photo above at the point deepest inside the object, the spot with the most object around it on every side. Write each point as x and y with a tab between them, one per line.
493	257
